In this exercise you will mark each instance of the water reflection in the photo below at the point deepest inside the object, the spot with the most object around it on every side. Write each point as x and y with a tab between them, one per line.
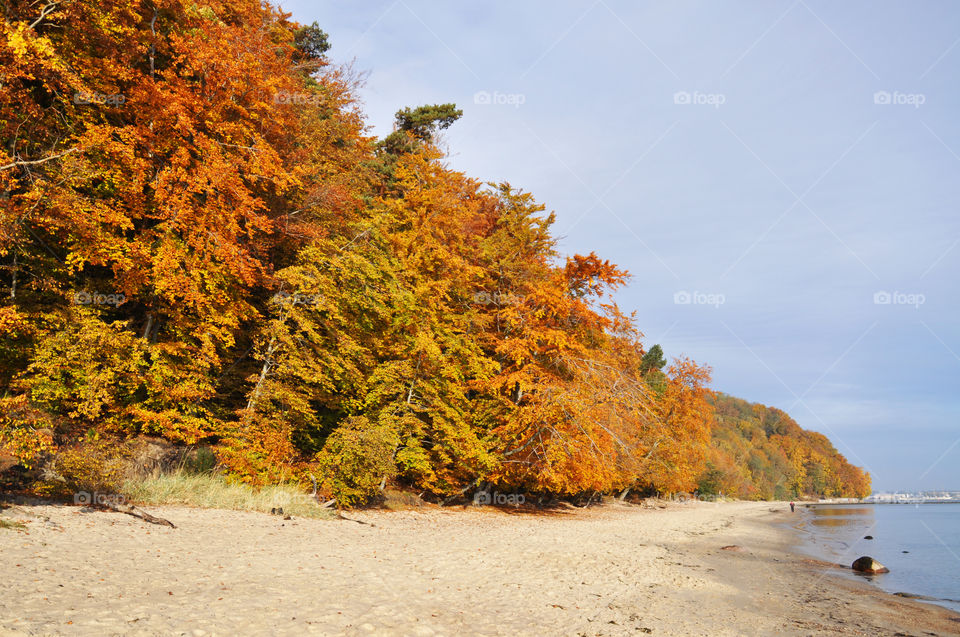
843	517
848	510
835	530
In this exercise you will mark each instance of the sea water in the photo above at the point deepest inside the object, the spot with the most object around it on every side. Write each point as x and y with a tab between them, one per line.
919	543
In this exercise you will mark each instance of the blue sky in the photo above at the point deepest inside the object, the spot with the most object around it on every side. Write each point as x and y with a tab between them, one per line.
779	177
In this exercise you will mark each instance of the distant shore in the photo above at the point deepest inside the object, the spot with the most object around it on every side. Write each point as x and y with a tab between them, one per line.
691	568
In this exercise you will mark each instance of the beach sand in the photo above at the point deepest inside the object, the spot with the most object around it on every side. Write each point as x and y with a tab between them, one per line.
609	570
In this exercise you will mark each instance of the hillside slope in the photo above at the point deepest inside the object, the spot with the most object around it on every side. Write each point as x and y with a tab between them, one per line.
760	452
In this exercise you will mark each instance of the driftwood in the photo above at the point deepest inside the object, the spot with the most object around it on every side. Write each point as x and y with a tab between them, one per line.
341	516
137	513
330	503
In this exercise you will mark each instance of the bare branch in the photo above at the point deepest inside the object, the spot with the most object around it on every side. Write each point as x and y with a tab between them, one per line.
49	8
250	148
34	162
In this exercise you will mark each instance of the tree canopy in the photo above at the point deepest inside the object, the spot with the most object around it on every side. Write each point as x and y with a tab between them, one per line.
199	241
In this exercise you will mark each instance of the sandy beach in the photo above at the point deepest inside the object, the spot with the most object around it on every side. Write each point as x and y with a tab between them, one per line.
610	570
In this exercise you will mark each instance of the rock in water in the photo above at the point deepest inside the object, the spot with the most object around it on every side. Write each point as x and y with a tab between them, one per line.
867	564
868	537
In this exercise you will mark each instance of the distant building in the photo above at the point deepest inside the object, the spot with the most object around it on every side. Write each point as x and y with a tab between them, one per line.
907	497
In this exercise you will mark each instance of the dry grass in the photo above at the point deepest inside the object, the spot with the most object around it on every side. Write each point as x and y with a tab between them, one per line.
396	500
12	525
211	491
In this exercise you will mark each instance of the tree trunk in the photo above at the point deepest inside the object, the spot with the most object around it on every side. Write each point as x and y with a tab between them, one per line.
267	364
13	285
148	327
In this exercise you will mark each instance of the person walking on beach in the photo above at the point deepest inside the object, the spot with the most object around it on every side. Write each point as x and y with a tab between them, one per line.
791	507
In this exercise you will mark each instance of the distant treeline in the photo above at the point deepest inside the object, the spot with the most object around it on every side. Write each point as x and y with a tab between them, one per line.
759	452
199	241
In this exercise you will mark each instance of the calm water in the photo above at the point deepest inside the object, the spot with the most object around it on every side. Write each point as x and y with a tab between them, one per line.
929	532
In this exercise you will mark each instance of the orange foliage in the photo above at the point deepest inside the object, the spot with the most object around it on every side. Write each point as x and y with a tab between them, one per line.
202	243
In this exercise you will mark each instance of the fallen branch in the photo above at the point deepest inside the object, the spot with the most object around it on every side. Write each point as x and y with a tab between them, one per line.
341	516
137	513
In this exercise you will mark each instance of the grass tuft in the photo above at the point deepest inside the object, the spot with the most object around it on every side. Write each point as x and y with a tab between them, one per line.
13	525
212	491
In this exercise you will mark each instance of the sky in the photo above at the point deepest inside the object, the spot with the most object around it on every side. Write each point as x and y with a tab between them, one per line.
780	178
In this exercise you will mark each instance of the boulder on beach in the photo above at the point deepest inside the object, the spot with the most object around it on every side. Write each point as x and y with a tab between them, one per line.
867	564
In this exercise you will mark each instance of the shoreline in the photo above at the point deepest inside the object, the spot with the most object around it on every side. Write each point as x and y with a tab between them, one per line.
842	603
811	544
691	568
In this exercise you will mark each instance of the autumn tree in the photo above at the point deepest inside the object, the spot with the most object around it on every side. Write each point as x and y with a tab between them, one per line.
200	242
143	165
